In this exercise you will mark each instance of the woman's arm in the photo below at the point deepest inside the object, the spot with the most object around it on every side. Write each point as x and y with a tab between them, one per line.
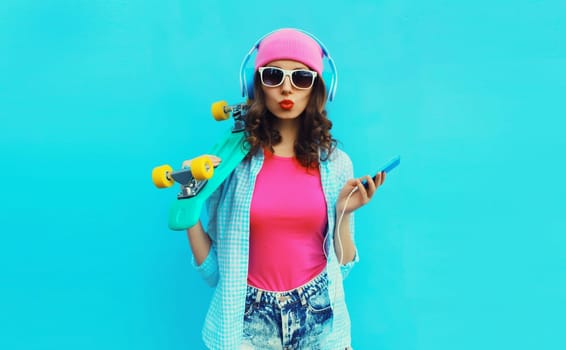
200	243
204	259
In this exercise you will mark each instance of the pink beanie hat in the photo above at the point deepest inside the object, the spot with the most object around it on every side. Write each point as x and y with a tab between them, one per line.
290	44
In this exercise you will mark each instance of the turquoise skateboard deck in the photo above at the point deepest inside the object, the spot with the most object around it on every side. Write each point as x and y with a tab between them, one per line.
185	212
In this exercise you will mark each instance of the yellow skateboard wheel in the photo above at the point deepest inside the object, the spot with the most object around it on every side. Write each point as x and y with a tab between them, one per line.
202	168
160	176
218	111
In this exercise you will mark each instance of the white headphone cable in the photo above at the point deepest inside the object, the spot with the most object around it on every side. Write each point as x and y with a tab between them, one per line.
339	223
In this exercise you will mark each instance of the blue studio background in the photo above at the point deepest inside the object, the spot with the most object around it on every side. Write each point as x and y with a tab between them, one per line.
463	248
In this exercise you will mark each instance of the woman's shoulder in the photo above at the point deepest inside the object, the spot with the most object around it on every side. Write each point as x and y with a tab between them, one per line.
338	156
340	164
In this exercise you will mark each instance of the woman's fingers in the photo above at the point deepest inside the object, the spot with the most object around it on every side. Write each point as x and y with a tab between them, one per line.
214	159
379	179
373	183
365	193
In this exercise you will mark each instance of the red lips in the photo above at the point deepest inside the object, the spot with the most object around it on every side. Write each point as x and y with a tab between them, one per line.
286	104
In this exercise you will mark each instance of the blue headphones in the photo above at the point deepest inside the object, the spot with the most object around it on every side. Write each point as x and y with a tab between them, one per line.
247	73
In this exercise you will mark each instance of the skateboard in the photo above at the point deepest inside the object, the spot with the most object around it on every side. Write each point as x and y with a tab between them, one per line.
201	179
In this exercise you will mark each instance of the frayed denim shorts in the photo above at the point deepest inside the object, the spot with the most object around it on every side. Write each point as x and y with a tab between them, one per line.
296	319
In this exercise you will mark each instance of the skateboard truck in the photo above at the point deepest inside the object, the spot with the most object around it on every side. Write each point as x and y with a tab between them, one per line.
192	179
190	186
221	111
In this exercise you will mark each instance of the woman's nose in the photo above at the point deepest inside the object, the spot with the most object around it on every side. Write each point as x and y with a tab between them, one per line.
286	85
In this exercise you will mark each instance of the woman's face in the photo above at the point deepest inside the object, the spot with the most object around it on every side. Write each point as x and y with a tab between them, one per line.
286	101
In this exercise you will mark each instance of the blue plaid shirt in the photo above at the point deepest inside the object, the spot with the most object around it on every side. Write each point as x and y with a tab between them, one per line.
226	266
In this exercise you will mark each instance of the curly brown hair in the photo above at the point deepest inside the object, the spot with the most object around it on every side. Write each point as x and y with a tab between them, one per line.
314	130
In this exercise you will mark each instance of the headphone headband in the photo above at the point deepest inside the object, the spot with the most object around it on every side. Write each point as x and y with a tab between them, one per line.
247	74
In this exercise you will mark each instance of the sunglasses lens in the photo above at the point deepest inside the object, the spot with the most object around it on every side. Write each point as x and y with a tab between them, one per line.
303	79
272	76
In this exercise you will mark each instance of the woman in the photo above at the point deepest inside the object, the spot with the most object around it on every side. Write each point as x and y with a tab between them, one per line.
279	240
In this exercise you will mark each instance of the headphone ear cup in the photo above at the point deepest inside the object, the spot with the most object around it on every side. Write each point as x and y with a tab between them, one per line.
328	78
249	75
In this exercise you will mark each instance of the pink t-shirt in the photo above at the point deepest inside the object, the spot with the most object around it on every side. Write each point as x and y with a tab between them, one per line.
287	225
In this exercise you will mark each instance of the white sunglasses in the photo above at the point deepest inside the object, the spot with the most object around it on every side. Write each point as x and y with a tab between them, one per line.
300	78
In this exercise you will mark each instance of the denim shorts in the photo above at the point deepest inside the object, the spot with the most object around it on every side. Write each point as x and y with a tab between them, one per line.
296	319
